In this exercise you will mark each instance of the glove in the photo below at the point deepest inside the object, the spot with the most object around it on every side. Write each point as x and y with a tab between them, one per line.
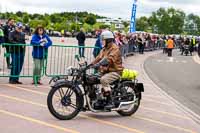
96	66
103	62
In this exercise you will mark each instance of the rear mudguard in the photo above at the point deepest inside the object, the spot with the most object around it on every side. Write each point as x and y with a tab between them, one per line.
139	87
75	88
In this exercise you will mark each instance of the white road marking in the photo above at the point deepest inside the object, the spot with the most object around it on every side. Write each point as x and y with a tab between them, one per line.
159	60
184	61
171	59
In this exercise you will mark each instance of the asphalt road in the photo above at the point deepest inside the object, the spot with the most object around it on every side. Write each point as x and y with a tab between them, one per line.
179	76
23	108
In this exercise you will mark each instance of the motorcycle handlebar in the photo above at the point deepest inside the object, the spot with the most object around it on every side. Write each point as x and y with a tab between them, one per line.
87	67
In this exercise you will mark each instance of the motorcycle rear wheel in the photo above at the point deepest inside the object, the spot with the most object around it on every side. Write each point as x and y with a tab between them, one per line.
135	106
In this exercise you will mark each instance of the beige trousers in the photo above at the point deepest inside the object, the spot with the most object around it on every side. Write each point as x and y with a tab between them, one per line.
107	79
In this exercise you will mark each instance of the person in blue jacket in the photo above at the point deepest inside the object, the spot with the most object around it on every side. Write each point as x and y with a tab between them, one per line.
41	42
98	45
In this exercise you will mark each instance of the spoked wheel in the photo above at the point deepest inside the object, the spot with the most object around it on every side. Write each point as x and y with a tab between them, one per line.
131	96
64	102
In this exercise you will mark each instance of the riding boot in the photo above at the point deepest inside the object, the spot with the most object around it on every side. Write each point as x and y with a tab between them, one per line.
110	103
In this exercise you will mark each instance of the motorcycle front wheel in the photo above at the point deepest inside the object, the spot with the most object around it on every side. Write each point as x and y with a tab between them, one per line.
63	102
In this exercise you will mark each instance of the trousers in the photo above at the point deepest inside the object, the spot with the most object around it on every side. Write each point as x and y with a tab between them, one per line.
107	79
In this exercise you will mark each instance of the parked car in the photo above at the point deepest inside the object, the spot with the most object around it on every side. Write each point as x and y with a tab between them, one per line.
56	34
68	34
89	35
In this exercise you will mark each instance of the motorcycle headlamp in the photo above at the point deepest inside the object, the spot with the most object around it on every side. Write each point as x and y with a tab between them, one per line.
69	71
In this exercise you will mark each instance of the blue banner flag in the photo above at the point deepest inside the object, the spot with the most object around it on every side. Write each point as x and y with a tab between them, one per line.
133	17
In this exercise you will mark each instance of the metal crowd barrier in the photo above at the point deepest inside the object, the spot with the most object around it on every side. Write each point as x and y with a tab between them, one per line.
132	47
6	53
56	60
61	57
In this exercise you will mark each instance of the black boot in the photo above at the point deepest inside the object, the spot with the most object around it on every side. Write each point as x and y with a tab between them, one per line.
110	103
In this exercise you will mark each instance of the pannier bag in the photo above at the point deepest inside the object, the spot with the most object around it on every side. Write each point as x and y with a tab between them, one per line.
129	74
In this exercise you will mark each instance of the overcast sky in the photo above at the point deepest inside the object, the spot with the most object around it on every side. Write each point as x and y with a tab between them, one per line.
108	8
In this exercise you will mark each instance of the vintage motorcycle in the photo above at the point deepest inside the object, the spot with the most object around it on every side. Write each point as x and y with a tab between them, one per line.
80	91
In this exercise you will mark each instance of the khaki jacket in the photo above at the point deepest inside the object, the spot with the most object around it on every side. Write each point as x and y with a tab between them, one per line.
112	53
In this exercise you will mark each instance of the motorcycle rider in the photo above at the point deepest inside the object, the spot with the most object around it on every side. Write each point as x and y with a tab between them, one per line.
109	63
186	43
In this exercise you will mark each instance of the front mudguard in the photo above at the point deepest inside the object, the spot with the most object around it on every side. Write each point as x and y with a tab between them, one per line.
74	87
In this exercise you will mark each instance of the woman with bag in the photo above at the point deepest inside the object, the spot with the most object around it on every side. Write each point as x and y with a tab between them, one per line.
41	42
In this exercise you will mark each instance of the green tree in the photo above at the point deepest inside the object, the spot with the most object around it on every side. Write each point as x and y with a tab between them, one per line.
26	19
56	18
126	24
177	19
35	23
61	26
90	20
170	21
142	24
19	14
74	27
96	26
192	24
104	26
87	27
112	27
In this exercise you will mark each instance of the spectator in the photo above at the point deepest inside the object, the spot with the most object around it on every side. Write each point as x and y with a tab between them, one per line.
1	35
198	48
27	30
148	41
98	44
9	27
193	44
125	43
118	42
132	42
17	53
140	44
81	42
170	46
41	42
165	46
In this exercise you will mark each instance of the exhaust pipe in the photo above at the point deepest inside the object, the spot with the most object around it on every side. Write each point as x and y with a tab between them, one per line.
124	105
